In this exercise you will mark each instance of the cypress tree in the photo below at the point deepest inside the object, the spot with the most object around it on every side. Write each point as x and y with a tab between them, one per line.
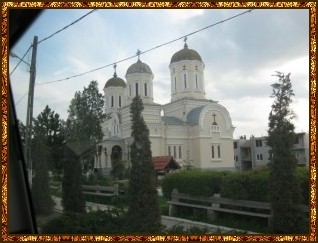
143	210
72	195
43	203
285	194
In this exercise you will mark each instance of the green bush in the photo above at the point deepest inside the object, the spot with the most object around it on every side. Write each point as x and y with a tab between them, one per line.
98	180
100	222
250	185
303	176
193	182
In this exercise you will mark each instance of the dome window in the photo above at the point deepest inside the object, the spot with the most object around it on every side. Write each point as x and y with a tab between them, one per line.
196	81
112	101
136	86
119	101
185	80
146	92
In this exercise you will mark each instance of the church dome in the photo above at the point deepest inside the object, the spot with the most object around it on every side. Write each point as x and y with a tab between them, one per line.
115	82
139	67
186	54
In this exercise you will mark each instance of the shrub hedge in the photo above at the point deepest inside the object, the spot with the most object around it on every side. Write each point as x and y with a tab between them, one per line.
193	182
251	185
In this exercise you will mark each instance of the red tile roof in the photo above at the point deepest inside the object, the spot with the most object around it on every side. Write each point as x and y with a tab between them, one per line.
161	163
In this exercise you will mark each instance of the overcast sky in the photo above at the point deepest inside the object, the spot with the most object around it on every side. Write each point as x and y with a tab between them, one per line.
240	56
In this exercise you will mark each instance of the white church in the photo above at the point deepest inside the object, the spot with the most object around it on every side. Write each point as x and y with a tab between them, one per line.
190	128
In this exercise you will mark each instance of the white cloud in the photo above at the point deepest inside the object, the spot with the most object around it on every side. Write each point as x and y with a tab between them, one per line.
178	15
240	56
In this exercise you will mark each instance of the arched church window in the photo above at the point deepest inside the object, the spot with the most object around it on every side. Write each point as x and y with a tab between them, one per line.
175	84
119	101
196	81
129	89
146	91
136	86
216	151
115	127
112	101
185	80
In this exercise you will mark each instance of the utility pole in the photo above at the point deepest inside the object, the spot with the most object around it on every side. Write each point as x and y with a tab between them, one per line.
30	110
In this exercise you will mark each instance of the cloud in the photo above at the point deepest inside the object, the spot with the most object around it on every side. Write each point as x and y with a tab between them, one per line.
240	55
179	15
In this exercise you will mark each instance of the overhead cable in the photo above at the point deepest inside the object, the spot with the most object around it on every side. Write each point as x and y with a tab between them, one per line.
151	49
50	36
20	60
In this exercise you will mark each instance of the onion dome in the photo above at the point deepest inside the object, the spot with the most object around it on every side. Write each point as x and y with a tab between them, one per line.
139	67
186	54
115	82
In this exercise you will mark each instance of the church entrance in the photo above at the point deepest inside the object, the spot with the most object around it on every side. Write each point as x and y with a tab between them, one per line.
116	153
118	167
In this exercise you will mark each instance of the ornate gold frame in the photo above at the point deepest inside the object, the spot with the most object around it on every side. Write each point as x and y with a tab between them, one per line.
311	6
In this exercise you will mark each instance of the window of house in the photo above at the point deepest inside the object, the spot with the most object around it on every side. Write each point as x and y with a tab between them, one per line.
235	145
296	139
259	157
175	152
258	143
180	152
169	150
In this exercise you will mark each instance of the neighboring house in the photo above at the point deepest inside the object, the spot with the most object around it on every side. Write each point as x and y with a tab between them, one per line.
301	148
190	127
254	152
164	165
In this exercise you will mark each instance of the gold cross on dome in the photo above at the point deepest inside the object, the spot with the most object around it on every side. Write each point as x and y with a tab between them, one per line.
138	53
115	66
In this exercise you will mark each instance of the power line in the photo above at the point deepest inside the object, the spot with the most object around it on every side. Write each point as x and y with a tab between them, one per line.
21	60
151	49
46	38
21	98
50	36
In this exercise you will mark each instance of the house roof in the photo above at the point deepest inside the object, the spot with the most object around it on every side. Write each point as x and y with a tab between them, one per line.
171	120
161	163
194	115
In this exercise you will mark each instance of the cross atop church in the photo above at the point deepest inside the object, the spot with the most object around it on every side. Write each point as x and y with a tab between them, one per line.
185	42
214	122
115	66
138	53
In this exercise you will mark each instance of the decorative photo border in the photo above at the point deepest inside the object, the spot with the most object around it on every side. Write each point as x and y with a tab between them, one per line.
311	6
